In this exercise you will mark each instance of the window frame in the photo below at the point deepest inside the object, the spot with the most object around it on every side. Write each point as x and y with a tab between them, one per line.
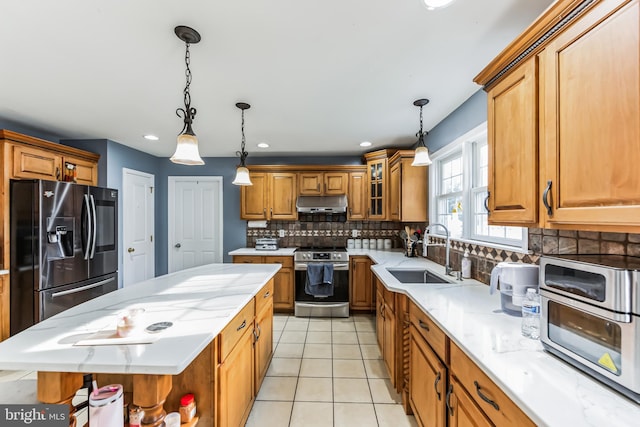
467	146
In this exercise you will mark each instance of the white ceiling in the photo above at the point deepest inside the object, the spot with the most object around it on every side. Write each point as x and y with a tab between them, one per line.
321	76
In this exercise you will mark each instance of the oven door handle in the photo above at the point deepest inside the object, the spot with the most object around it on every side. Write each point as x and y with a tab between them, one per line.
339	267
321	304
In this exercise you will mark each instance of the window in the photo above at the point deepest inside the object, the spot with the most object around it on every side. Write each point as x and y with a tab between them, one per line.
460	171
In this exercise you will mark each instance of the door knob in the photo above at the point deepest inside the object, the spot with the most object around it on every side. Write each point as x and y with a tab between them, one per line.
178	245
131	250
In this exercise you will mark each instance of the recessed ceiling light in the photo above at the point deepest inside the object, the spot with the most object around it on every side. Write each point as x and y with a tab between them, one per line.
263	145
151	137
436	4
365	144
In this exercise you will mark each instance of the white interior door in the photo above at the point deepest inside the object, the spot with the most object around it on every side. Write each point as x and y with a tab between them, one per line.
138	228
195	221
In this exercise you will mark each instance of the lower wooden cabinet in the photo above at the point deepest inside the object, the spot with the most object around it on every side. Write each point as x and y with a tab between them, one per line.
283	280
263	335
4	307
427	382
361	292
462	411
386	329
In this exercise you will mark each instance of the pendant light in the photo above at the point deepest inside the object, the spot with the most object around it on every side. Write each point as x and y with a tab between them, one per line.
436	4
242	173
187	146
421	157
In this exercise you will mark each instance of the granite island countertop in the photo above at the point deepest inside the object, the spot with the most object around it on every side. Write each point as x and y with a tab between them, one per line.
262	252
548	390
199	301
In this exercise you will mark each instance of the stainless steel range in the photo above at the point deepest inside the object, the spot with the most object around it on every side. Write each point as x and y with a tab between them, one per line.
334	305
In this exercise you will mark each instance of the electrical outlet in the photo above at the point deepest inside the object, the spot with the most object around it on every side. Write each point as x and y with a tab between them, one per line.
281	233
354	233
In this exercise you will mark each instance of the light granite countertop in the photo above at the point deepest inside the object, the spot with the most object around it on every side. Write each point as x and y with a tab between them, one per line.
548	390
199	301
254	251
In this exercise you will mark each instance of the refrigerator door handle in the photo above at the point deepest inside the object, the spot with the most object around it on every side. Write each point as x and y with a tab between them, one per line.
82	288
87	250
95	226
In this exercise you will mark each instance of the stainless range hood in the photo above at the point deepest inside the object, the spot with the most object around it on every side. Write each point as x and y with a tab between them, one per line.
322	204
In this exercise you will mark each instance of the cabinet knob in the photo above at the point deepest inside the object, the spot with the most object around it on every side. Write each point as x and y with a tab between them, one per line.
178	245
130	250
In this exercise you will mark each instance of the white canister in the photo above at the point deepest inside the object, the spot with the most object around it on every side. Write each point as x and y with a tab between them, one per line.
350	244
372	243
172	419
365	244
105	406
387	244
357	243
380	244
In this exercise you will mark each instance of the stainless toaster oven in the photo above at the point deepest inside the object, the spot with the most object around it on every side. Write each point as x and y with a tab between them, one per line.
591	316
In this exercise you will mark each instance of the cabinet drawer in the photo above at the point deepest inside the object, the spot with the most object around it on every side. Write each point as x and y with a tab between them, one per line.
37	164
265	296
286	261
247	259
436	338
495	404
240	324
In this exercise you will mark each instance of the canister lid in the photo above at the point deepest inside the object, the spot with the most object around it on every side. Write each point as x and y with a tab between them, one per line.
105	395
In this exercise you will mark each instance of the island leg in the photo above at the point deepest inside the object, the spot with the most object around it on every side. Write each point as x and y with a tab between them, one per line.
149	393
59	388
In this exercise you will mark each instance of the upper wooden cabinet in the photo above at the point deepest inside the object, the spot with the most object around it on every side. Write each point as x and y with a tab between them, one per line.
564	129
357	196
513	147
322	183
408	190
378	184
272	196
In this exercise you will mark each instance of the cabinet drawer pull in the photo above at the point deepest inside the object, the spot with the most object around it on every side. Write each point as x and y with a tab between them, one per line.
545	198
259	331
57	172
448	399
255	337
244	323
267	295
435	385
485	398
486	203
423	325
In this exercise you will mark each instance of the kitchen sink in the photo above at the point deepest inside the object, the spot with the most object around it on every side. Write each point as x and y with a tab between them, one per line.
416	276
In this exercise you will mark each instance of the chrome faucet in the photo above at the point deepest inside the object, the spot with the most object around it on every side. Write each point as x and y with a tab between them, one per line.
447	266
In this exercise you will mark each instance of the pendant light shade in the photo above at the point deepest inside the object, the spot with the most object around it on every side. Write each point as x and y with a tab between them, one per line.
242	173
436	4
421	157
187	144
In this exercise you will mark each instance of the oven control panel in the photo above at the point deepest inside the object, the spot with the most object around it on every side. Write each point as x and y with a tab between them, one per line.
322	256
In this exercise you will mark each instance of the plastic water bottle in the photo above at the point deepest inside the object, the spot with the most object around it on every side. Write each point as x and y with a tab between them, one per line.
531	315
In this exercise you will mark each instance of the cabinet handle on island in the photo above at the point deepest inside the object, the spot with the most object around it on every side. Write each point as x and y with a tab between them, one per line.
244	323
266	295
485	398
545	198
423	325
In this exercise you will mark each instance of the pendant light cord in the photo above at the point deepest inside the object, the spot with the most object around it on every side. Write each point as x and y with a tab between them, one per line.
242	154
421	134
188	112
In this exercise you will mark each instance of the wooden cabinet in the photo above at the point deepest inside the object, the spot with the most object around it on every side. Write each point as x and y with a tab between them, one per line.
386	329
272	196
263	333
86	172
564	133
237	370
512	142
591	126
322	183
357	196
283	280
361	290
35	163
427	382
462	410
377	184
408	189
4	307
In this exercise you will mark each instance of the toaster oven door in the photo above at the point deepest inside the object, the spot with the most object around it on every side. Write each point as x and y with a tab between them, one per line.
603	342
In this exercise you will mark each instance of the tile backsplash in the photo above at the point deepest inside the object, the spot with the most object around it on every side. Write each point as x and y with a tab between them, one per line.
542	241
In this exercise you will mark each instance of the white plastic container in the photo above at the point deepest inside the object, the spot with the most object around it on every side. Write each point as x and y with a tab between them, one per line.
357	244
466	265
531	315
172	419
105	406
365	244
350	244
372	244
387	244
380	244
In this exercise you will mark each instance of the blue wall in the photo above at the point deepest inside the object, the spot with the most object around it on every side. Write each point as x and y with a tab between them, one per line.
468	115
29	130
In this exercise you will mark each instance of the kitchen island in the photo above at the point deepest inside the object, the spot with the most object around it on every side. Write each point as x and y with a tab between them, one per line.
200	302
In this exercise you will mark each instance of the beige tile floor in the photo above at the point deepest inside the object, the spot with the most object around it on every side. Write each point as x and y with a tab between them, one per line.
324	372
327	373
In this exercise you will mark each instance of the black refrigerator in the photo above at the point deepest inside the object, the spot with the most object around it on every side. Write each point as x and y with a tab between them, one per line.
64	247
